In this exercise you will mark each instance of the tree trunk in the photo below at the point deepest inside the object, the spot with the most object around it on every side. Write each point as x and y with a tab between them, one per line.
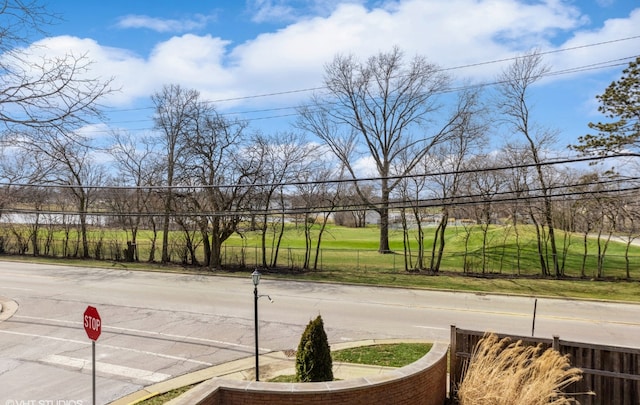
276	247
307	242
215	257
436	254
165	237
263	239
406	241
322	228
584	253
384	225
548	213
539	244
420	237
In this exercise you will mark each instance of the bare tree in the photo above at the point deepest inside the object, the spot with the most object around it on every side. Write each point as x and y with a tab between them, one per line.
218	160
69	162
513	102
285	156
356	214
381	108
469	137
629	225
174	117
17	168
138	171
318	200
39	91
483	184
518	183
409	192
44	101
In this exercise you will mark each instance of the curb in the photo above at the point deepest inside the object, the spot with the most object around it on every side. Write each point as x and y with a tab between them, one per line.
271	364
7	308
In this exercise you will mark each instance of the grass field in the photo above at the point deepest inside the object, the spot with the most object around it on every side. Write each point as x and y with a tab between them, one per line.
349	255
355	249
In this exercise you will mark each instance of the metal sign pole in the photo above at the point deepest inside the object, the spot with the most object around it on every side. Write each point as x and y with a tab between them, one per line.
533	325
93	367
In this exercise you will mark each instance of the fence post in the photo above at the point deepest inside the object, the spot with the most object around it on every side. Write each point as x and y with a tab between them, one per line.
556	343
453	374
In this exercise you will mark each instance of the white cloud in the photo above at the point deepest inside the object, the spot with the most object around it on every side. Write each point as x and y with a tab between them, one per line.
602	63
271	11
191	60
163	25
365	167
605	3
451	33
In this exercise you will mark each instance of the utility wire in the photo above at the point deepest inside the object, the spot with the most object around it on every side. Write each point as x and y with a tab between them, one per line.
600	65
497	197
191	188
459	67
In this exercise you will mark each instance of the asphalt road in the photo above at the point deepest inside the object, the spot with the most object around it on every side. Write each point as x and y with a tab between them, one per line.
156	325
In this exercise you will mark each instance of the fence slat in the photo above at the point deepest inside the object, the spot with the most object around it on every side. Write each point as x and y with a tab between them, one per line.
612	372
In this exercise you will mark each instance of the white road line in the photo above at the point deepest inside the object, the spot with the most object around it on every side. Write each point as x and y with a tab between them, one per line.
430	327
164	356
106	368
80	342
181	338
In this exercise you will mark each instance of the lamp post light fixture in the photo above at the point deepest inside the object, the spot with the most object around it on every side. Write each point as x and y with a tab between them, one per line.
255	277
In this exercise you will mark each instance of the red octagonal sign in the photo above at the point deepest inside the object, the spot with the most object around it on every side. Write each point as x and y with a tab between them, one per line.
92	323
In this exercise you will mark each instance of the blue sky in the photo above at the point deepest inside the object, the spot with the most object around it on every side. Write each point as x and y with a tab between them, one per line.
232	51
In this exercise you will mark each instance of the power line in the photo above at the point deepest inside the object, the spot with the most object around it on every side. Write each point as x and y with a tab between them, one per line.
578	69
193	188
437	202
600	188
459	67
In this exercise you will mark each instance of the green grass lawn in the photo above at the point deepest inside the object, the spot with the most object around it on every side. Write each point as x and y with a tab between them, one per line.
356	248
384	355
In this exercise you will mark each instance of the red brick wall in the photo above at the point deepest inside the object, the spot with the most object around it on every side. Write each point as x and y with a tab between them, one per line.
420	383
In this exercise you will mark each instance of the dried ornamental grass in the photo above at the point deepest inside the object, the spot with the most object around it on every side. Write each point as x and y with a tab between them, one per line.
503	372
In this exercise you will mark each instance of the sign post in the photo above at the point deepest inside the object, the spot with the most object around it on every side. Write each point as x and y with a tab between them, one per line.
93	327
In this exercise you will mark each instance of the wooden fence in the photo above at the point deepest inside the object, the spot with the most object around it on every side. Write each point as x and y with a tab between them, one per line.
612	373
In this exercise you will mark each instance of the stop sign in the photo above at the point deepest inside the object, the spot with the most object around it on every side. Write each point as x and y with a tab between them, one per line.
92	323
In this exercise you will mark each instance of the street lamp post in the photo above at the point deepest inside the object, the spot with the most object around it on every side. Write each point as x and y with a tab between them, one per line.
255	276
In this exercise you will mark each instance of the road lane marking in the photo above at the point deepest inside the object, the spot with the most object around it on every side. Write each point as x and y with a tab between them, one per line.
430	327
106	368
181	338
184	338
106	346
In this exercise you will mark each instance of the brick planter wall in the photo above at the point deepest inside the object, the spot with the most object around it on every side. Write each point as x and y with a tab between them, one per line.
423	382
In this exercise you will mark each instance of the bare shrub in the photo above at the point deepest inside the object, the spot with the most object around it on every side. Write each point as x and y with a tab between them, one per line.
503	372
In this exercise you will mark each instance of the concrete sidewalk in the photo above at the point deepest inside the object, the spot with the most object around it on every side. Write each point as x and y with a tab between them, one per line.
271	365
